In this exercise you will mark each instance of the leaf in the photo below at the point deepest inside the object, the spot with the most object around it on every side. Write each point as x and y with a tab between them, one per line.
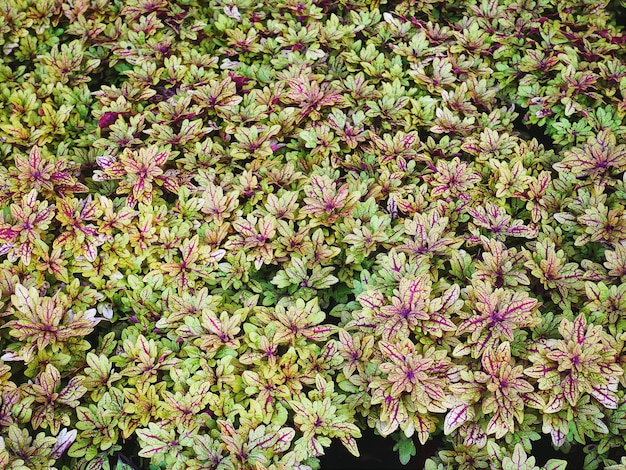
26	300
605	396
350	443
555	464
595	158
406	449
154	441
518	460
326	202
456	417
283	440
65	439
424	426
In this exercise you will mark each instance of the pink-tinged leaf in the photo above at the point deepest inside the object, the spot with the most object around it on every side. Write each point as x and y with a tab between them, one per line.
457	416
319	333
579	331
491	362
571	389
246	227
449	299
62	178
434	392
49	379
211	322
90	250
8	234
65	439
605	396
558	437
542	371
471	325
385	428
30	200
227	428
487	340
158	158
371	299
555	404
392	414
105	161
462	349
35	160
89	209
390	351
499	424
63	238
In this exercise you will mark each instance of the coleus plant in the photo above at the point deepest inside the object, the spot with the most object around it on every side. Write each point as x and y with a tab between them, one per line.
232	232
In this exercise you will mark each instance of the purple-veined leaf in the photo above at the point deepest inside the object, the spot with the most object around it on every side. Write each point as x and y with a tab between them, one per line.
462	349
316	446
605	396
555	404
86	416
298	407
26	300
534	400
595	158
392	413
189	250
283	439
350	443
424	425
258	438
390	351
500	423
571	389
65	439
154	440
372	299
495	219
72	392
457	416
555	464
475	435
517	461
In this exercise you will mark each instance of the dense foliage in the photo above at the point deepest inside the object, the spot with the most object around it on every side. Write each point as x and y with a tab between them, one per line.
232	231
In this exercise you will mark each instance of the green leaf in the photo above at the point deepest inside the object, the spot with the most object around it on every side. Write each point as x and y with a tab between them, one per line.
406	449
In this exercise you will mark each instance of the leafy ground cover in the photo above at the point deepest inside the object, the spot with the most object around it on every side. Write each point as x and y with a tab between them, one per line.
234	232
